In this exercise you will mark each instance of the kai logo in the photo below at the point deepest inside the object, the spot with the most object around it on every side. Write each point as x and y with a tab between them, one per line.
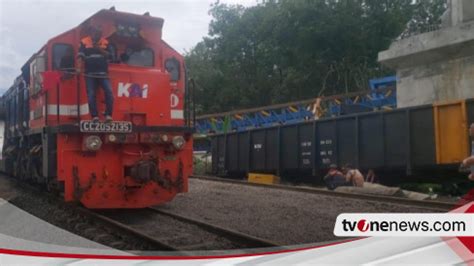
132	90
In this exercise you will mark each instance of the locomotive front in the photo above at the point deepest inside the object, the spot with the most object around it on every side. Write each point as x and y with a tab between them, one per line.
144	156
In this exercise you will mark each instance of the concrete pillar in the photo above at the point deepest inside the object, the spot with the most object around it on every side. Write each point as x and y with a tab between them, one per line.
436	66
461	11
468	10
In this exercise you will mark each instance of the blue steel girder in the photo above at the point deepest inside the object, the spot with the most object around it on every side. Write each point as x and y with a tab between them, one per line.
382	95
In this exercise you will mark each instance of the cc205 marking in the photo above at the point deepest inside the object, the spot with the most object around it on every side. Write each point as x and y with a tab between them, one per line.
103	127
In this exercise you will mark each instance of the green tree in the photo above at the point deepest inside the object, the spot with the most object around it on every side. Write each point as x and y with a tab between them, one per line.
279	51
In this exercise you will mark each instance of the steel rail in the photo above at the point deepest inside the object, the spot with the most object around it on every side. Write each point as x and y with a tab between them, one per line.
97	219
426	204
232	235
155	243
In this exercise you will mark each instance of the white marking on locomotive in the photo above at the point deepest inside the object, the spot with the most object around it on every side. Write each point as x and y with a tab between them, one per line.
68	110
174	100
123	89
126	90
177	114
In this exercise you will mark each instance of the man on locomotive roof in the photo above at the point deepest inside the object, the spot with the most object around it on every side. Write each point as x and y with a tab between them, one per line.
93	53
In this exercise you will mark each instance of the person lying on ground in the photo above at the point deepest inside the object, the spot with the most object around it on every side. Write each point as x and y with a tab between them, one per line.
334	178
353	176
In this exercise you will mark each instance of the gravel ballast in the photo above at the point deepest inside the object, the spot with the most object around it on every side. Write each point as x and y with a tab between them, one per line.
171	231
285	217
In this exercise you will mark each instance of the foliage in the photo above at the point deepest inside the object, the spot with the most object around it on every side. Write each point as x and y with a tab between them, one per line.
285	50
202	164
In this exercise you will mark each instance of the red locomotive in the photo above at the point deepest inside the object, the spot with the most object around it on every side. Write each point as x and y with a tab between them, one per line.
142	158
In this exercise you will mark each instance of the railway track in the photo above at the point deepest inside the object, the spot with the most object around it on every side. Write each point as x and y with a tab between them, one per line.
79	220
426	204
156	229
181	233
150	229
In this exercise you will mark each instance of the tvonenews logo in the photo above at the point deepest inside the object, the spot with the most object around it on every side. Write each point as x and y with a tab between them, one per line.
404	224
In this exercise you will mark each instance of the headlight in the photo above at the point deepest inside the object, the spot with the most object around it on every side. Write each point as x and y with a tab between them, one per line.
92	143
178	142
164	138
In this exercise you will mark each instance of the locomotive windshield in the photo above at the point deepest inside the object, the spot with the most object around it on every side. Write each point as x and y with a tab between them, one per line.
63	56
130	47
138	57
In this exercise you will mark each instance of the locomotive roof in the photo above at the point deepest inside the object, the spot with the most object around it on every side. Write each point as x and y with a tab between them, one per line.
112	14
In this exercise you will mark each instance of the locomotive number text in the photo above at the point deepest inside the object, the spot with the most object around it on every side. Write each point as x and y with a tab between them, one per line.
103	127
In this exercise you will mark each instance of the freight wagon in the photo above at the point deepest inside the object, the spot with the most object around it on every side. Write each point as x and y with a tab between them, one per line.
418	140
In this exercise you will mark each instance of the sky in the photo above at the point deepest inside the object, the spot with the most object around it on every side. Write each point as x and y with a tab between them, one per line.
25	26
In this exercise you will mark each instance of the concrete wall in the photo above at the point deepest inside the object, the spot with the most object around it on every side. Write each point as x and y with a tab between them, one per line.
459	11
433	67
468	10
436	82
426	48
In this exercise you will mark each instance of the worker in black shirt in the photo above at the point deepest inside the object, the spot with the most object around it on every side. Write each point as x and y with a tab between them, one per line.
93	52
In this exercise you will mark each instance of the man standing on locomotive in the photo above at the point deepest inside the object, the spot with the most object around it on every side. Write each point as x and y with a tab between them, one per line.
93	53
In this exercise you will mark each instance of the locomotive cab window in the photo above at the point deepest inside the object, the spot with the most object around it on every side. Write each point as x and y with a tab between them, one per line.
37	66
173	68
63	57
